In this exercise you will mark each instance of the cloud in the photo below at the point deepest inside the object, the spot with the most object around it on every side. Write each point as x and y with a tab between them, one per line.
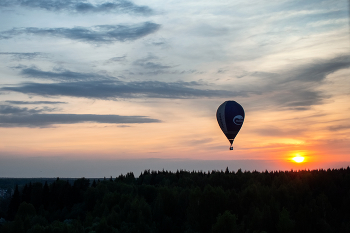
100	34
221	71
61	75
97	86
7	109
273	131
22	56
340	127
81	6
116	59
158	42
318	70
47	120
207	30
150	63
34	102
297	88
157	71
112	90
198	141
23	117
299	98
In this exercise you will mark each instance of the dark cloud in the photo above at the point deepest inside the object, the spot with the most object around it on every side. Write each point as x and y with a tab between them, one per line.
96	86
297	98
339	127
116	59
22	56
222	71
150	62
47	120
155	71
318	70
112	90
61	75
300	98
101	34
152	65
23	117
297	88
34	102
7	109
81	6
160	43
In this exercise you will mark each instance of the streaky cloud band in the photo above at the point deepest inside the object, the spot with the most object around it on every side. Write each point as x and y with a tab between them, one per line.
47	120
63	75
81	6
100	34
34	102
297	88
113	90
22	56
8	109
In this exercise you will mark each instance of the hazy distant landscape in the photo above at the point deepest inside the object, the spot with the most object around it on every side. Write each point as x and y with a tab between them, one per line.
182	201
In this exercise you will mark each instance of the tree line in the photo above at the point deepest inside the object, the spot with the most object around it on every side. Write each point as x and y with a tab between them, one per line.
183	201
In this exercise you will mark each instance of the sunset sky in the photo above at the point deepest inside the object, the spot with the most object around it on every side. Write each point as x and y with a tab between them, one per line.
100	88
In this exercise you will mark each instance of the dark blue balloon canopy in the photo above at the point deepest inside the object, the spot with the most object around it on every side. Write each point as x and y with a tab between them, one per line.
230	116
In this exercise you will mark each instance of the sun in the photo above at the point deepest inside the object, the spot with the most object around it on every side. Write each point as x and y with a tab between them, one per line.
298	158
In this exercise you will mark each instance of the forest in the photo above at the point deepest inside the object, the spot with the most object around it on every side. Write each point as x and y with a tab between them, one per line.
184	201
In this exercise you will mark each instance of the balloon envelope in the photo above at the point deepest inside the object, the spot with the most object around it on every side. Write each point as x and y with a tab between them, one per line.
230	116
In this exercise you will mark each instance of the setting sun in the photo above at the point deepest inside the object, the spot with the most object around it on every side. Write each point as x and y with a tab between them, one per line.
298	159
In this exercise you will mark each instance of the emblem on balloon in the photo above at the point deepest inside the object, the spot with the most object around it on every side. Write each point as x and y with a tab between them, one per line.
238	120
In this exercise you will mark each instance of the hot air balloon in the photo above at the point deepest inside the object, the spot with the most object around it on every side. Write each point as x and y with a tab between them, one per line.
230	116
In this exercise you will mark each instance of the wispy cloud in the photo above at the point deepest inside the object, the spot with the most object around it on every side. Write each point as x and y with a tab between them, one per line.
298	97
47	120
8	109
23	56
81	6
345	126
112	90
273	131
100	34
116	59
97	86
34	102
62	75
150	62
23	117
297	88
318	70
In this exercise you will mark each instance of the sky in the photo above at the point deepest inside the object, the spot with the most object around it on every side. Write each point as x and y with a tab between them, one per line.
101	88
